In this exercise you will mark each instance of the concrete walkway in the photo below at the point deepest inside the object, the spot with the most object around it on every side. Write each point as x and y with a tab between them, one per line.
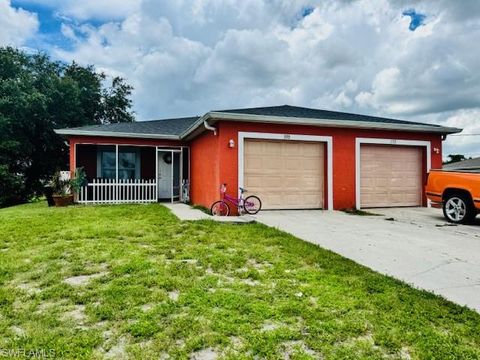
413	245
187	213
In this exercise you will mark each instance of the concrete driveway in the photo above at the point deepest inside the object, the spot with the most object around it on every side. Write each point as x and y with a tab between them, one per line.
415	245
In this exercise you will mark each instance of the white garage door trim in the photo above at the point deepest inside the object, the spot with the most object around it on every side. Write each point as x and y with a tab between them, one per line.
288	137
376	141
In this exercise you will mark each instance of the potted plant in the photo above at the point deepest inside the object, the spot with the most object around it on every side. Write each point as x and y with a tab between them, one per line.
61	190
79	180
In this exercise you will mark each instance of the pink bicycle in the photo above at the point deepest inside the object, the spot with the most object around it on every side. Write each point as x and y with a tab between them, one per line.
251	205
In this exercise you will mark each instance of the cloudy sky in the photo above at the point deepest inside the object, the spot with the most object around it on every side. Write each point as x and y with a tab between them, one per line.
414	60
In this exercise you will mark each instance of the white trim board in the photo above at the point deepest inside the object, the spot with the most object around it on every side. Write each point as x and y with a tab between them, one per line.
288	137
74	157
339	123
394	142
79	132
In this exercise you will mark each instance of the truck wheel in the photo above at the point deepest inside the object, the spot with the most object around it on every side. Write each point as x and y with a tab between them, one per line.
458	209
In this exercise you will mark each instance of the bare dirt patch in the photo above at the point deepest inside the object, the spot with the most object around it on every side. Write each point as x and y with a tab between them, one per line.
204	354
236	342
173	295
47	306
251	282
82	280
119	350
291	348
29	288
270	326
260	266
77	315
146	307
18	331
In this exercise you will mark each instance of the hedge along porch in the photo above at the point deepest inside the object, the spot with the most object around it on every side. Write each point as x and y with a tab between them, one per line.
126	170
291	157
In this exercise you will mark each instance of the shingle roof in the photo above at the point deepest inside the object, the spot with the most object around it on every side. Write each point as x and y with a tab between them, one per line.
464	165
190	126
302	112
157	127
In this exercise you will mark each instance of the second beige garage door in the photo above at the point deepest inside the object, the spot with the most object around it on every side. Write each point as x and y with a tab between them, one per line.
390	176
285	174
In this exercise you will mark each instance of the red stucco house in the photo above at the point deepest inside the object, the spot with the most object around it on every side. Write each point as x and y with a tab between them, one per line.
291	157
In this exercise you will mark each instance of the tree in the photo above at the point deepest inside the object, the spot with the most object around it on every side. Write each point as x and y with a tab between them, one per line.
453	158
38	95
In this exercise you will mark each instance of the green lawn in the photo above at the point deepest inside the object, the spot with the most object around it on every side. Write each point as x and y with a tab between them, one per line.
133	281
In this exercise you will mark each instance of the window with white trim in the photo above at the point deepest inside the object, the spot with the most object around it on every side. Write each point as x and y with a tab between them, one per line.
128	162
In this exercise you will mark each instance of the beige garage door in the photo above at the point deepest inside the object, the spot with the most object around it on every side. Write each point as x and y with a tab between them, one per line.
285	174
390	176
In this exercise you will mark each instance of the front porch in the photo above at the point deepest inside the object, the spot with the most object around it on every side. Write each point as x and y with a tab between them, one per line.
118	173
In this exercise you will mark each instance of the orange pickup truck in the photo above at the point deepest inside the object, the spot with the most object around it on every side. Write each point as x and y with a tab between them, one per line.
457	192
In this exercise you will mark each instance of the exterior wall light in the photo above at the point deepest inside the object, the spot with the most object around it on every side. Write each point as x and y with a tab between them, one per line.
231	143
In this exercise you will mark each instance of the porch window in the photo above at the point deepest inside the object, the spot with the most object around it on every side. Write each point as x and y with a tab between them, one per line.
128	163
107	164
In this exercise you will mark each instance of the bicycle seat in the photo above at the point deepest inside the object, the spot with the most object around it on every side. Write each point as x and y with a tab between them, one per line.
242	190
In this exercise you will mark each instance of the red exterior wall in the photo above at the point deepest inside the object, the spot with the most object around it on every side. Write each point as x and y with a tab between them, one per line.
212	162
210	167
204	169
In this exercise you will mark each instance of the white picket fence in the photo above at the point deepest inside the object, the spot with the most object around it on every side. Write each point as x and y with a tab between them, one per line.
111	191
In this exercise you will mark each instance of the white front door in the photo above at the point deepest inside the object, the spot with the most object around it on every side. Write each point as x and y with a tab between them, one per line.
164	174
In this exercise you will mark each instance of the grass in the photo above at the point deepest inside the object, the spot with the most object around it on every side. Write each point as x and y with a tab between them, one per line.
133	281
202	208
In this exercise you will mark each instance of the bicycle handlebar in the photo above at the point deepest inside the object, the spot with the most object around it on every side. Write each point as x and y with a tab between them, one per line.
223	187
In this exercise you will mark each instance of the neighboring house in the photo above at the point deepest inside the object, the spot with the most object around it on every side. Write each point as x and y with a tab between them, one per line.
292	157
470	164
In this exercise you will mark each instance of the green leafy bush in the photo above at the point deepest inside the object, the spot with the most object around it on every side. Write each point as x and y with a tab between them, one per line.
38	95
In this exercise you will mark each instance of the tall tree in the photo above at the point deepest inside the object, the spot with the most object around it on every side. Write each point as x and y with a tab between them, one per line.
453	158
38	95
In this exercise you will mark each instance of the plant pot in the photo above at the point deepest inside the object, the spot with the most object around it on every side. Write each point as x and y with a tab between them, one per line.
48	192
63	200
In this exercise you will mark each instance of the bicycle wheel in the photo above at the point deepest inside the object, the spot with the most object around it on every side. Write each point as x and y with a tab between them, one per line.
252	204
220	208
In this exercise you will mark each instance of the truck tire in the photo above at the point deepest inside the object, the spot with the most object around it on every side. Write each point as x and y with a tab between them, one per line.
459	209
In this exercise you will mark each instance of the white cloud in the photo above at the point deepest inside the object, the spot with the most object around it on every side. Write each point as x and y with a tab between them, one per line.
17	25
343	100
468	142
188	56
89	9
99	9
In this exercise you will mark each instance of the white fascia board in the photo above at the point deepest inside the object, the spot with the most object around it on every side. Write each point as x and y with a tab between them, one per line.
331	123
195	125
215	115
115	134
